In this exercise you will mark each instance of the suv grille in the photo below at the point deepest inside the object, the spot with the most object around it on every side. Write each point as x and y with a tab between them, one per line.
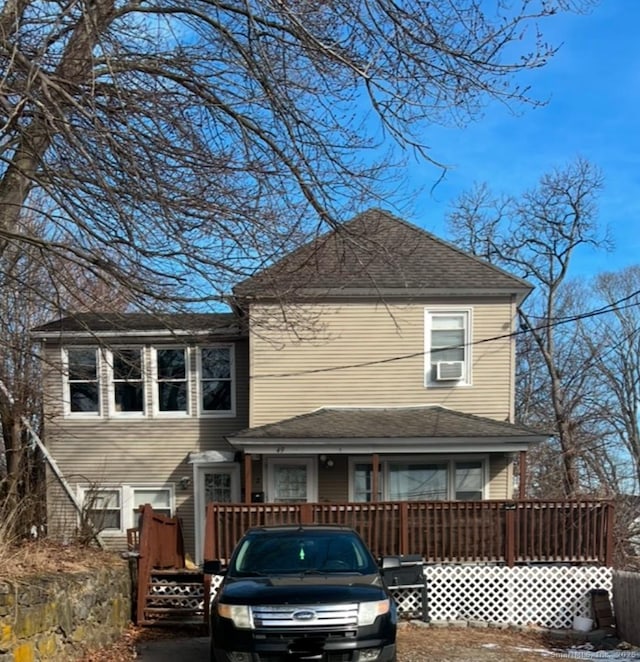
303	616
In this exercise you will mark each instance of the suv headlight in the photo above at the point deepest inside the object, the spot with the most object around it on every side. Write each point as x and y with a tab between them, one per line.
239	614
369	611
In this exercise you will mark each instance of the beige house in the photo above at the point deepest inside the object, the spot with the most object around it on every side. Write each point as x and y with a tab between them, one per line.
375	363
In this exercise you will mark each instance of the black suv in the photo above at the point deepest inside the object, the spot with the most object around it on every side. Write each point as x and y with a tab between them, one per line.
305	593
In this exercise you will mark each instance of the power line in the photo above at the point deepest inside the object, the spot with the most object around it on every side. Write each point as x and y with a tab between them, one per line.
513	334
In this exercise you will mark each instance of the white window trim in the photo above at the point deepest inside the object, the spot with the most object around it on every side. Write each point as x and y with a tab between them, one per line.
127	516
154	381
111	383
232	358
66	390
465	311
449	460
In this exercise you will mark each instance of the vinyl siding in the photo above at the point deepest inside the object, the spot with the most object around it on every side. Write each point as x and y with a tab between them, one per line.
137	451
500	476
371	354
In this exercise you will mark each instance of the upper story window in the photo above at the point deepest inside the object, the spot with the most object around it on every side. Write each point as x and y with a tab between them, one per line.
216	380
172	379
128	393
83	380
447	347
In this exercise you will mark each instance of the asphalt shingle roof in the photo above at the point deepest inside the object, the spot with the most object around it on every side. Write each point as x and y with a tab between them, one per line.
142	322
382	423
377	251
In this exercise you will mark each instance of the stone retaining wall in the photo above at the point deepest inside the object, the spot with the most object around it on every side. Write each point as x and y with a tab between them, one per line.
55	617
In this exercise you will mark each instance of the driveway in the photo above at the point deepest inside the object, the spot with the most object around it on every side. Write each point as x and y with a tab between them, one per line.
414	646
194	649
420	644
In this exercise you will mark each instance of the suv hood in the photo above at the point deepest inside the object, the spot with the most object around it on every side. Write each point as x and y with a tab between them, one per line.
302	589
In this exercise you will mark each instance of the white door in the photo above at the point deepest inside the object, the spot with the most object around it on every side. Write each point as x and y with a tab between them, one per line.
291	480
214	482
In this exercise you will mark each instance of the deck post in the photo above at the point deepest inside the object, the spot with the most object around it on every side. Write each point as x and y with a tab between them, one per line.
306	513
609	546
144	561
404	528
510	534
248	479
375	469
522	483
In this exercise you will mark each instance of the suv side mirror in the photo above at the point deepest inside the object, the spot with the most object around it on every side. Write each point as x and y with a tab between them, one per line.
388	562
213	567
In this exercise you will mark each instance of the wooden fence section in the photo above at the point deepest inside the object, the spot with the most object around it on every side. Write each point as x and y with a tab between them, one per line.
626	605
509	532
160	545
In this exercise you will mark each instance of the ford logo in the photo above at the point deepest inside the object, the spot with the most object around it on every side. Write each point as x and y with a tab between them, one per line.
304	615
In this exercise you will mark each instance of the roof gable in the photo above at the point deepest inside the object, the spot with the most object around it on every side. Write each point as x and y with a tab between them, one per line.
377	253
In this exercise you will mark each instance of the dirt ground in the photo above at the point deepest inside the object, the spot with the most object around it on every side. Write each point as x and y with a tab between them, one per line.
415	644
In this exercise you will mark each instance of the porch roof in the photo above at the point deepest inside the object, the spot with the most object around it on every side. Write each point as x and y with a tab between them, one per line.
391	430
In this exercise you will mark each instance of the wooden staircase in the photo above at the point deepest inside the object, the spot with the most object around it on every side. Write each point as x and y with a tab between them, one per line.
167	592
173	596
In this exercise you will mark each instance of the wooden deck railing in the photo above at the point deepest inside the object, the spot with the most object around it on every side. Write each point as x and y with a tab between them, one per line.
509	532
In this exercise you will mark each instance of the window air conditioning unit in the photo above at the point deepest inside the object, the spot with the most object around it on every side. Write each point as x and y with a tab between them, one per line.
447	371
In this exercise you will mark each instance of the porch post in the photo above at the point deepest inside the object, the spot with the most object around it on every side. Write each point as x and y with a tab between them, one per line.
375	468
248	481
522	488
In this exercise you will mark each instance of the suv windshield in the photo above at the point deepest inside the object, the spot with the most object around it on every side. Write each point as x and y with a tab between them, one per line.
302	551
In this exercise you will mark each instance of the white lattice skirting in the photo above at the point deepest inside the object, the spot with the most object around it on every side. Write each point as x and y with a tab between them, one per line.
547	597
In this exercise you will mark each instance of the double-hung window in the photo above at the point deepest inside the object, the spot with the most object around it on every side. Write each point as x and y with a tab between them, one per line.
128	395
216	380
82	380
114	509
103	508
159	498
172	380
447	347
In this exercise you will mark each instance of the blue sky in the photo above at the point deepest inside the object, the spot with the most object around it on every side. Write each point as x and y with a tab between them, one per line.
593	110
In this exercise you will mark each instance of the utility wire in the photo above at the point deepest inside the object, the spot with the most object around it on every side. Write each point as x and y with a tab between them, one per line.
513	334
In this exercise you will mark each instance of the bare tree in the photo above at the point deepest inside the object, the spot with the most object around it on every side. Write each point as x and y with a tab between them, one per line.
614	340
182	144
535	236
34	286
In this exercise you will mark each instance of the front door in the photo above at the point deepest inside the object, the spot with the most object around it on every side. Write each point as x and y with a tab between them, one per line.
291	480
214	482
